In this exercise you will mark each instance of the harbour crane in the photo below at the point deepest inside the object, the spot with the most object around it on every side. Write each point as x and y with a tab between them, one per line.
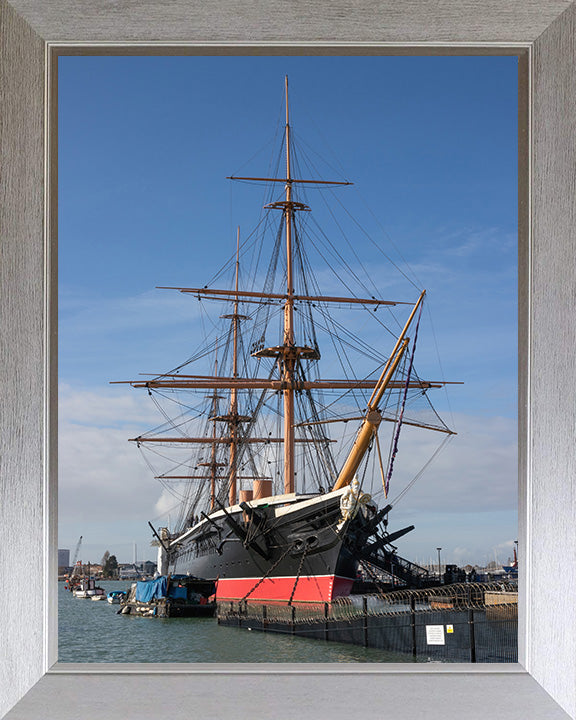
76	552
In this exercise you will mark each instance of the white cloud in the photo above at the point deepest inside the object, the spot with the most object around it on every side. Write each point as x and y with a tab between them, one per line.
101	475
460	556
166	505
108	407
476	472
105	492
106	487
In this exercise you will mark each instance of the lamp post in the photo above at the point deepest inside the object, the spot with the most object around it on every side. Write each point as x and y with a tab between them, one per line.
439	566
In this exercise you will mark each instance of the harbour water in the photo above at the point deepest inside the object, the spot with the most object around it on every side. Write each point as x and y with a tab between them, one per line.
93	632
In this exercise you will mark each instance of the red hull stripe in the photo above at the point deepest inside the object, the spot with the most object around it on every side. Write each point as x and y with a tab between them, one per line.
322	588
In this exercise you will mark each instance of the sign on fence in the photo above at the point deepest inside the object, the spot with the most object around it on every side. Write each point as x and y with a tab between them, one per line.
435	635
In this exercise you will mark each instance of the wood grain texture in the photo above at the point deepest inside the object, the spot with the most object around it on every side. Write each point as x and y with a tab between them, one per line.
553	364
21	355
547	528
410	21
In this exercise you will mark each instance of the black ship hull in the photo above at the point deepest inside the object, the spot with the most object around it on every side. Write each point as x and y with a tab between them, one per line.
280	549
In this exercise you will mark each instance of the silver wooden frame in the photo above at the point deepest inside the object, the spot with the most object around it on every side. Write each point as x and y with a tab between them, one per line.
543	685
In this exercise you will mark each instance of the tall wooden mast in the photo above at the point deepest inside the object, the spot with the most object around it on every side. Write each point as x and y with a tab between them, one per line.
213	464
234	391
289	356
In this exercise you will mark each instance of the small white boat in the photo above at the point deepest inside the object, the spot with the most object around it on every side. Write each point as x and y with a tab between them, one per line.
87	589
98	597
115	597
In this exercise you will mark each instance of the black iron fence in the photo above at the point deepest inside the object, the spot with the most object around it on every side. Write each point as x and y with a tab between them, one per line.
469	622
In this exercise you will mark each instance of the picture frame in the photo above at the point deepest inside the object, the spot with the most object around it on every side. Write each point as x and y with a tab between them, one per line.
542	34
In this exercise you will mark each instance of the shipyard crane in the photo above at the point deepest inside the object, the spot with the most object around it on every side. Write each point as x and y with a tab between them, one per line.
76	552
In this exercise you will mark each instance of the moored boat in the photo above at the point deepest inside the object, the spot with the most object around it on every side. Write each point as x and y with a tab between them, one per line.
86	588
170	596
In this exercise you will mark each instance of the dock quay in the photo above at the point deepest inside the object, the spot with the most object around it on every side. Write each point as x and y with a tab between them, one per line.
467	622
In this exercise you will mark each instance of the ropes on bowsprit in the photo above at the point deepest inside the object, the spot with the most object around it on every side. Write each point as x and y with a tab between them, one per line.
405	395
438	450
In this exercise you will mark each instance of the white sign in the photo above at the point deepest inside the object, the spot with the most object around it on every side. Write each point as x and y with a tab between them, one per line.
435	635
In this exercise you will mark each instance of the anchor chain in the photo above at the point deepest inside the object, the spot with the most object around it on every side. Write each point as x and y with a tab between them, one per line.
298	573
269	571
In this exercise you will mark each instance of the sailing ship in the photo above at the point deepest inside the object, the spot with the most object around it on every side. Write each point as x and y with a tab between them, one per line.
267	509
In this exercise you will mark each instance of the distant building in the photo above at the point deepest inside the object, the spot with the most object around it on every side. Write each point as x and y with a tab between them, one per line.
128	571
148	567
131	571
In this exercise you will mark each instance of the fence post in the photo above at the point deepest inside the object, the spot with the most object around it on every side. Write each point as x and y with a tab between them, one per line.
472	637
365	610
413	625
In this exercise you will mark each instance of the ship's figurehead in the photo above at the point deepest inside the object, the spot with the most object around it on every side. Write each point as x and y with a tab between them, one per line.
352	500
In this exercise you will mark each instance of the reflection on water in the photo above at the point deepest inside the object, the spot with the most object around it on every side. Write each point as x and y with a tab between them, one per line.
93	632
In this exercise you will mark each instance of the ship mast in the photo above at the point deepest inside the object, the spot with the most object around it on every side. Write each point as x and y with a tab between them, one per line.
234	391
289	355
213	464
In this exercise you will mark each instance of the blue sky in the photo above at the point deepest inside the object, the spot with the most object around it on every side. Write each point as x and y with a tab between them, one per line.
145	145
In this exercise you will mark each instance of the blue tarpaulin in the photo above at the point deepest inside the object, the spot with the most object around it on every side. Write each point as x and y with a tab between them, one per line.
177	591
146	590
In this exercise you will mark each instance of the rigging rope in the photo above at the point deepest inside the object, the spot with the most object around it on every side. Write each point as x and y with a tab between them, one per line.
399	426
375	579
399	497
